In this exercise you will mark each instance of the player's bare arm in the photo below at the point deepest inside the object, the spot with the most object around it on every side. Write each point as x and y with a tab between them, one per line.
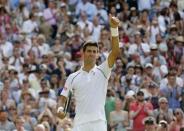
114	22
60	112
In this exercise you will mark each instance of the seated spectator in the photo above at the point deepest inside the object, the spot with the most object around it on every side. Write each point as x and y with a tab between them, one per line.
163	112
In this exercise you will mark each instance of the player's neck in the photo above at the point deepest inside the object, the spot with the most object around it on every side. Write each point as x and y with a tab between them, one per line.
88	67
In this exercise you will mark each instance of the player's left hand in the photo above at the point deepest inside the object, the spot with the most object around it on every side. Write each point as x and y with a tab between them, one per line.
114	21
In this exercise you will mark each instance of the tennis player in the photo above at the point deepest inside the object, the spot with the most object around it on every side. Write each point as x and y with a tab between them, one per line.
90	85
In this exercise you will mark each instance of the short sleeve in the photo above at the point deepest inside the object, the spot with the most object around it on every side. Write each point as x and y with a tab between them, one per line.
104	67
67	87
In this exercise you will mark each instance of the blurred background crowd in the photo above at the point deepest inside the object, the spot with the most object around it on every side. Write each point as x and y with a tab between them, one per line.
40	44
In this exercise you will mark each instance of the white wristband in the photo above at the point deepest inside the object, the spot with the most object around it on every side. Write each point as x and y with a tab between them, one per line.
114	32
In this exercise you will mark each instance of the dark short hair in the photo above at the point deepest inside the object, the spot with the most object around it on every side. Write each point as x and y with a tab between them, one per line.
89	43
140	93
149	122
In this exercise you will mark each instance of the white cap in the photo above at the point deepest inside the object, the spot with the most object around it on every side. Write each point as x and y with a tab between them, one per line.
62	4
153	46
148	65
130	93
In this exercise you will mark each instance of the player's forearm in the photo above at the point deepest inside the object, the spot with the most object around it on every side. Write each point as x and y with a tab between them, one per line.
62	100
115	46
61	111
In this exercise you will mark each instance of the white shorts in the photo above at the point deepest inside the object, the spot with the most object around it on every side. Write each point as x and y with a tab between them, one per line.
99	125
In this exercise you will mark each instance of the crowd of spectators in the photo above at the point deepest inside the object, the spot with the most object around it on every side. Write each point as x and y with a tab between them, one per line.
40	44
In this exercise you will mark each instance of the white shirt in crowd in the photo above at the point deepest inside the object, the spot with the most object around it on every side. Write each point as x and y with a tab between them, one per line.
29	26
88	7
7	49
90	92
145	4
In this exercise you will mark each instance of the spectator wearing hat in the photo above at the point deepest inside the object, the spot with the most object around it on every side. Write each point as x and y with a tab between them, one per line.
5	124
155	57
133	16
163	112
173	30
129	98
139	110
149	75
62	12
163	126
150	124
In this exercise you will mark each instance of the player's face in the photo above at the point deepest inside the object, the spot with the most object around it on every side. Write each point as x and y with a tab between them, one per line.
90	54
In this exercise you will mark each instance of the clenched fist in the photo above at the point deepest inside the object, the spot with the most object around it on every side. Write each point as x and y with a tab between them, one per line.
114	21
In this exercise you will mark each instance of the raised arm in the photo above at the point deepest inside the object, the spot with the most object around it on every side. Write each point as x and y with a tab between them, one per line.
114	22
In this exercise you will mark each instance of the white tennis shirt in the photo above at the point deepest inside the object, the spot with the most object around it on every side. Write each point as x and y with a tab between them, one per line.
90	90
